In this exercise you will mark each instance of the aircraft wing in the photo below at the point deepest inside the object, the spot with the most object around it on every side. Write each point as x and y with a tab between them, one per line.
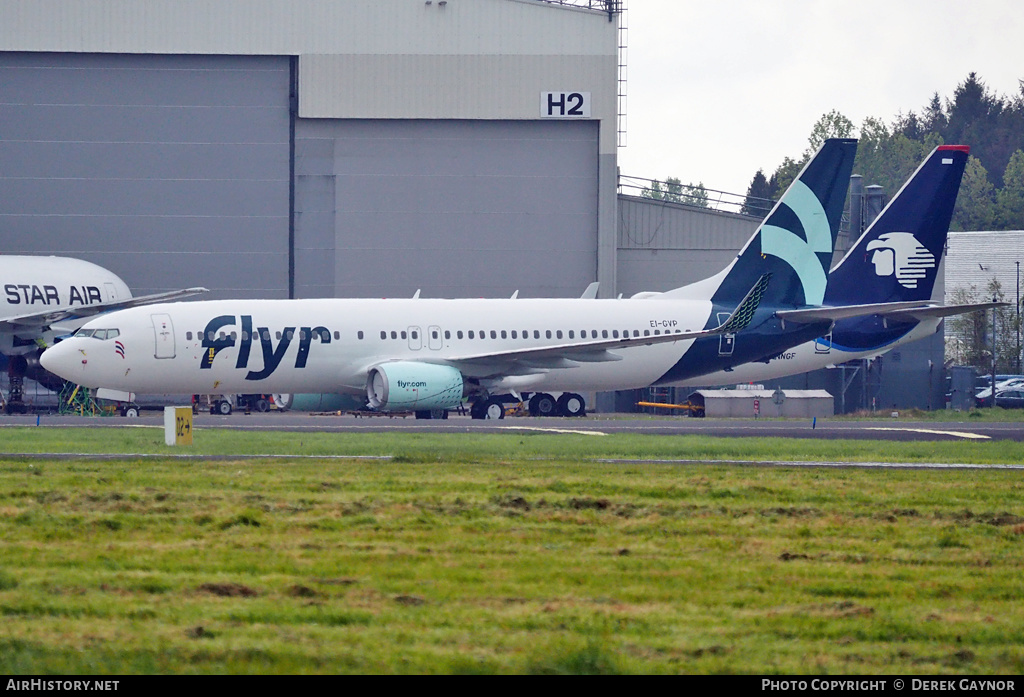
46	318
571	353
907	310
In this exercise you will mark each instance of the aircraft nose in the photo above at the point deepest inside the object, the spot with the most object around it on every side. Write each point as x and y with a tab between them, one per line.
63	360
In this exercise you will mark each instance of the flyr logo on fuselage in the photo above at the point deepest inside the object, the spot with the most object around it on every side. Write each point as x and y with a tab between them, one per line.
272	355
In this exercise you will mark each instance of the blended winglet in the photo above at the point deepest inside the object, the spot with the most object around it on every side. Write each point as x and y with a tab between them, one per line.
744	313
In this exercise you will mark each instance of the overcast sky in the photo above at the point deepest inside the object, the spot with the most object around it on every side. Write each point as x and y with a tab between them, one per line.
717	90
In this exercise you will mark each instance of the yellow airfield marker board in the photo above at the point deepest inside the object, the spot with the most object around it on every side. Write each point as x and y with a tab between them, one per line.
178	425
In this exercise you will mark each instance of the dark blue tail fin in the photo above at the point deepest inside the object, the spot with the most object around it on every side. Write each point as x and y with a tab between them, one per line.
897	258
794	243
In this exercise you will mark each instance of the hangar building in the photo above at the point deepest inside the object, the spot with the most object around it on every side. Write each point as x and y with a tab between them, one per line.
308	148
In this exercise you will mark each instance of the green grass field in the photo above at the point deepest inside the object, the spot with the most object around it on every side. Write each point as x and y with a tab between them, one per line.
505	554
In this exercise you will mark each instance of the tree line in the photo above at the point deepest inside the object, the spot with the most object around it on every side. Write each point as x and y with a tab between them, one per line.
992	191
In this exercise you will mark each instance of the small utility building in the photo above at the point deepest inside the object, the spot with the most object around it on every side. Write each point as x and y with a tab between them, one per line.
764	403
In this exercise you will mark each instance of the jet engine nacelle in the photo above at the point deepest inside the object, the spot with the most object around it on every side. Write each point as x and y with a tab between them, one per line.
408	385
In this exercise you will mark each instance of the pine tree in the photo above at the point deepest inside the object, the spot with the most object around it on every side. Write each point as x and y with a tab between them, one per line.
975	205
758	202
1009	213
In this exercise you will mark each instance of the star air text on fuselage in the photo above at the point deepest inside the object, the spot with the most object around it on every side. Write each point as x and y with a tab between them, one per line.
30	294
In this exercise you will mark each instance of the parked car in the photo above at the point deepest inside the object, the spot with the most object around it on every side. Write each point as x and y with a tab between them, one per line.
1012	398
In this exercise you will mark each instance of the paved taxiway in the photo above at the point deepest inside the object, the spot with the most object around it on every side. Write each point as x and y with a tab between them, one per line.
882	429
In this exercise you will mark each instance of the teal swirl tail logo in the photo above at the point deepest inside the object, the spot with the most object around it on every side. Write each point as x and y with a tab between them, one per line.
802	254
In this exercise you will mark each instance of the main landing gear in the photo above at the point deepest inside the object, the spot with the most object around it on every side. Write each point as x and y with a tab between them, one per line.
540	404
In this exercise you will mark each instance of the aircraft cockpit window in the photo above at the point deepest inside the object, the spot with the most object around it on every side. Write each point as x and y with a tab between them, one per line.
101	334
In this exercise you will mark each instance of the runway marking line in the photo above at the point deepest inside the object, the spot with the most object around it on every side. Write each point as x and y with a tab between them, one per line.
958	434
553	430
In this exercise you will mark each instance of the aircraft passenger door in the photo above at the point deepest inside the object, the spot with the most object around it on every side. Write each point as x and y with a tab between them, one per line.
434	338
823	344
163	333
109	291
415	338
726	342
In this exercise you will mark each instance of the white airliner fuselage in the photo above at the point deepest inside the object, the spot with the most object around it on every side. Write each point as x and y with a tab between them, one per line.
331	345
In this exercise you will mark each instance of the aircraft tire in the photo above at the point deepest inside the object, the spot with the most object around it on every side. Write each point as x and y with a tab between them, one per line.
261	405
572	404
494	409
223	407
432	414
543	404
130	412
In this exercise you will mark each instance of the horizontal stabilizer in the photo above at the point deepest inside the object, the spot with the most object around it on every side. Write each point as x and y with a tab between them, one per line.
933	311
828	312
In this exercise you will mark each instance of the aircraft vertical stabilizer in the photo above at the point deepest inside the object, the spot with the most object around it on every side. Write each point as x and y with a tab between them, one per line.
897	258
